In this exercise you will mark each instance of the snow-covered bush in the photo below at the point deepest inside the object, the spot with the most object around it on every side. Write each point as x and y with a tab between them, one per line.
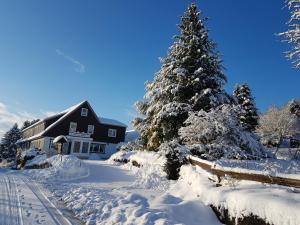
176	157
218	133
23	156
132	145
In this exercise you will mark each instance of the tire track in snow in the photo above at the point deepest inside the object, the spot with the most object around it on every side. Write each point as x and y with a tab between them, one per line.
4	201
18	202
55	213
9	205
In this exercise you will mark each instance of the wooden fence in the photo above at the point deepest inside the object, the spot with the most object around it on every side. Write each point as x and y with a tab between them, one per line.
207	166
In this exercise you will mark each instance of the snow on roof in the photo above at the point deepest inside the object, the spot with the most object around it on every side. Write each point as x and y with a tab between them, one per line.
111	122
59	138
29	139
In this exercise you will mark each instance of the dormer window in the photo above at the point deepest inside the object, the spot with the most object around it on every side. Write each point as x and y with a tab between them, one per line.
112	133
84	112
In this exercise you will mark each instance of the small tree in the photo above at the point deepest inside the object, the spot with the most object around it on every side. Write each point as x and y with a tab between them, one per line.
176	157
248	114
292	36
276	124
9	140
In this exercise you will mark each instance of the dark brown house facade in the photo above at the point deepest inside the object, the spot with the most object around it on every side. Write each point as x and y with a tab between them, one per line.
85	132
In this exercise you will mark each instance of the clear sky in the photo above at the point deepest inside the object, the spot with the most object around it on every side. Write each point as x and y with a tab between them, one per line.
54	54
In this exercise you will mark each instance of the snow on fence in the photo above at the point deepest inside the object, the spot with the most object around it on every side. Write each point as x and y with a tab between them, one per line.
251	175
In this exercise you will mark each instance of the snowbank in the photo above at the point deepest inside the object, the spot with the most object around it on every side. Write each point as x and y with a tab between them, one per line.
276	205
63	168
150	174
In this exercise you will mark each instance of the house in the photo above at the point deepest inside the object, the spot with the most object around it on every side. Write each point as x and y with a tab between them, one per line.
86	135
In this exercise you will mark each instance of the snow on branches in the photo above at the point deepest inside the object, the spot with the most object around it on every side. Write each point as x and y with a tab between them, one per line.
191	78
218	133
248	115
292	35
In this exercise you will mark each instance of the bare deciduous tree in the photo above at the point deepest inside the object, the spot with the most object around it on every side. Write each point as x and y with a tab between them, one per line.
276	124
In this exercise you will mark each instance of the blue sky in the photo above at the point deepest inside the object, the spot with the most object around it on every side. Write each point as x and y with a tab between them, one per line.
54	54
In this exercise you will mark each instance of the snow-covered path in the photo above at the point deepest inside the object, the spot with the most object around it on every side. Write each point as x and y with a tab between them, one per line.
111	194
23	203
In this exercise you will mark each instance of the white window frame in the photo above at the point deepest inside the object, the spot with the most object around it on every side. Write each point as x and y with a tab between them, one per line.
73	147
84	112
71	128
80	153
91	129
112	132
100	144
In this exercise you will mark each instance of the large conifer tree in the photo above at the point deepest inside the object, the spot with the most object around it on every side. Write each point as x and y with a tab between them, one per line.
191	78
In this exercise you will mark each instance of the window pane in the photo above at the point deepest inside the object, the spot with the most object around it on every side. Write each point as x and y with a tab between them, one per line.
95	148
90	129
85	147
102	149
73	127
112	132
76	147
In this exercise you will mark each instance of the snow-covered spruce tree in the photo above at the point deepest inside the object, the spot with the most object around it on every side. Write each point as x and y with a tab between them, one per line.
292	36
248	114
190	79
219	133
8	142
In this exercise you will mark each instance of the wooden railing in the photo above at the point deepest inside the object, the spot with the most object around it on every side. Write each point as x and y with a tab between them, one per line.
253	176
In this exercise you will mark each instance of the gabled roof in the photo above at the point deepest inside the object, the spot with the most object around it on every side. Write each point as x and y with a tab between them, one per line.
66	112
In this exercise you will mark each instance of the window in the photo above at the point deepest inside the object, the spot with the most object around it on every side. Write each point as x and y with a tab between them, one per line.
91	129
97	148
112	133
73	127
85	147
84	112
102	148
76	147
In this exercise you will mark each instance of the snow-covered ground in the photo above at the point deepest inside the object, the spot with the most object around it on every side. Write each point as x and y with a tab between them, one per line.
109	192
114	194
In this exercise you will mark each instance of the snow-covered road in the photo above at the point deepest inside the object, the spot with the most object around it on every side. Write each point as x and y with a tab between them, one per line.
22	202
